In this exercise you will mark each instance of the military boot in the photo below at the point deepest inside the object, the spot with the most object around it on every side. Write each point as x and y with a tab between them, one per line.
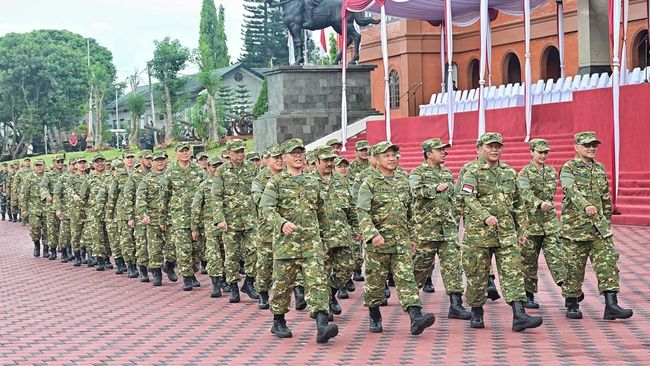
264	300
195	282
476	320
107	263
325	331
492	291
119	265
37	248
216	286
456	309
64	255
225	286
168	268
204	267
343	293
77	258
157	276
132	272
573	309
387	291
390	280
335	308
520	320
52	253
234	293
350	285
419	321
428	286
46	251
91	260
280	328
580	298
84	256
242	270
100	264
248	288
144	275
612	310
3	216
357	276
187	283
375	320
530	301
299	293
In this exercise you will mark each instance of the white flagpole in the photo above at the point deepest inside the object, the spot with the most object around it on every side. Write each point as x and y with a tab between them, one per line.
615	91
384	53
450	84
443	71
481	101
344	102
529	106
626	8
560	35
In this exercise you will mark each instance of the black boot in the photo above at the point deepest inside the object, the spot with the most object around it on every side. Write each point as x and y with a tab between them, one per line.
350	286
225	286
384	301
100	264
580	298
77	258
248	288
492	291
119	265
387	291
52	253
520	320
390	280
530	301
132	272
242	270
419	321
84	256
335	308
144	275
46	251
476	320
572	308
187	283
280	328
357	276
157	276
91	261
64	255
234	293
375	320
168	268
299	293
612	310
204	267
325	331
428	286
456	309
107	263
216	286
195	282
343	293
264	300
37	248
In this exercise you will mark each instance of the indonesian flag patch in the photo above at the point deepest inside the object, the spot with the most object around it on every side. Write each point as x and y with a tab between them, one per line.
468	189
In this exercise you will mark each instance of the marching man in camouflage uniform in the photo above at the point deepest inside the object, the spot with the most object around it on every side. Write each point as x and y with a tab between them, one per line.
538	182
95	229
31	204
586	230
384	211
16	187
358	165
436	226
60	201
117	194
49	182
290	202
76	211
495	222
139	229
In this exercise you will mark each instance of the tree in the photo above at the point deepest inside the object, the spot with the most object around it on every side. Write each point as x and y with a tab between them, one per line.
169	58
135	103
242	100
264	35
225	104
262	103
333	47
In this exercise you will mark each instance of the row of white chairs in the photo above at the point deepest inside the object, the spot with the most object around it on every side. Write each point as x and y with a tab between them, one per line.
543	92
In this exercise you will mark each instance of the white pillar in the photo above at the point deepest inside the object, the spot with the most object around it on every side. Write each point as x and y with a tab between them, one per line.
384	54
450	84
560	35
529	106
484	21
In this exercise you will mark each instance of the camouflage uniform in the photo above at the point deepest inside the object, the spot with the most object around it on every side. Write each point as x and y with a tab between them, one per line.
116	193
60	201
16	188
76	210
31	201
139	230
264	265
52	221
7	193
110	208
94	233
3	194
203	212
147	203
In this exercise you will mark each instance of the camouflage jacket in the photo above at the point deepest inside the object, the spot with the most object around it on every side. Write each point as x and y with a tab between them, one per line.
357	180
336	216
435	214
91	195
104	199
177	188
31	199
264	228
357	166
116	192
202	206
130	186
147	198
492	191
76	209
537	186
384	207
8	183
584	185
59	196
295	199
17	184
231	195
48	183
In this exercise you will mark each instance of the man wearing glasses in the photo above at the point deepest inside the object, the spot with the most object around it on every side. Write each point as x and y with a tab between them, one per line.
586	229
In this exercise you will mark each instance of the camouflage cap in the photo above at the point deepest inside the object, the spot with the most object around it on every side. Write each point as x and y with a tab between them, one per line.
215	160
340	160
80	159
332	142
98	157
118	164
382	147
539	145
361	145
324	152
586	137
39	162
202	155
181	145
72	160
235	145
310	157
58	157
146	154
27	159
159	154
274	150
490	137
292	144
128	153
434	143
253	155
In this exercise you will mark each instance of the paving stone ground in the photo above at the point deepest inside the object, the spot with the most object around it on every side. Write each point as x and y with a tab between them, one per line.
54	313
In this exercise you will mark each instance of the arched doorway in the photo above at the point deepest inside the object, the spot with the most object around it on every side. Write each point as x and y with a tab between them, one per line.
640	51
511	69
473	74
454	75
551	63
393	83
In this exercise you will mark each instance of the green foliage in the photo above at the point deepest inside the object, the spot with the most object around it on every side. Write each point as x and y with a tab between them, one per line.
225	101
333	46
199	117
135	103
242	103
262	103
213	50
264	35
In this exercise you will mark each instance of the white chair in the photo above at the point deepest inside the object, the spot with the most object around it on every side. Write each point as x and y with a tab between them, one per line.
546	93
556	94
514	95
536	92
576	83
467	106
474	104
603	80
566	94
442	106
423	109
584	83
489	99
462	105
593	82
635	76
500	96
433	99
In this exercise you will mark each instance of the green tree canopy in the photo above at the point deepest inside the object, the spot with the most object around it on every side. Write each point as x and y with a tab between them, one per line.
264	35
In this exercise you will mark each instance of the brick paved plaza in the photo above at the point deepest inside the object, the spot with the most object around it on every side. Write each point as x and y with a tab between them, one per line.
54	313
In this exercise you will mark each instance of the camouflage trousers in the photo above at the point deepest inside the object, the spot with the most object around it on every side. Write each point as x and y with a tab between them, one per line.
477	262
451	270
401	265
140	236
187	251
214	251
317	293
155	246
169	248
264	266
76	231
238	245
113	240
127	243
52	223
339	264
37	228
64	233
202	244
14	206
603	256
4	205
553	253
95	236
357	254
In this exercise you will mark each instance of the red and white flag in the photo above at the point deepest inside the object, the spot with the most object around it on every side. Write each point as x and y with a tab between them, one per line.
322	45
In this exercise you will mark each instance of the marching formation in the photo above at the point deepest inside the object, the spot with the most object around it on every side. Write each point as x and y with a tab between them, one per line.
312	223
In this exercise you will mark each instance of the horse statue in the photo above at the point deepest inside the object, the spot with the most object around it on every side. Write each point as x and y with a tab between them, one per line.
324	13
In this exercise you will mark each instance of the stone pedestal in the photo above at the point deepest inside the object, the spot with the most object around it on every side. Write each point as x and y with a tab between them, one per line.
305	102
593	37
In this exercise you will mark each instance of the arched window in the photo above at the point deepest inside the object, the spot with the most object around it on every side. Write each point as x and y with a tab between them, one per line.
393	82
511	69
473	74
551	63
640	51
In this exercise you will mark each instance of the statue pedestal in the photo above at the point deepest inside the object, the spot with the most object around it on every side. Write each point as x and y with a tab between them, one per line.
305	102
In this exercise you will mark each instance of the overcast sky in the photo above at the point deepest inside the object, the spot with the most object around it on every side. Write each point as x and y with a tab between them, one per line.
126	27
